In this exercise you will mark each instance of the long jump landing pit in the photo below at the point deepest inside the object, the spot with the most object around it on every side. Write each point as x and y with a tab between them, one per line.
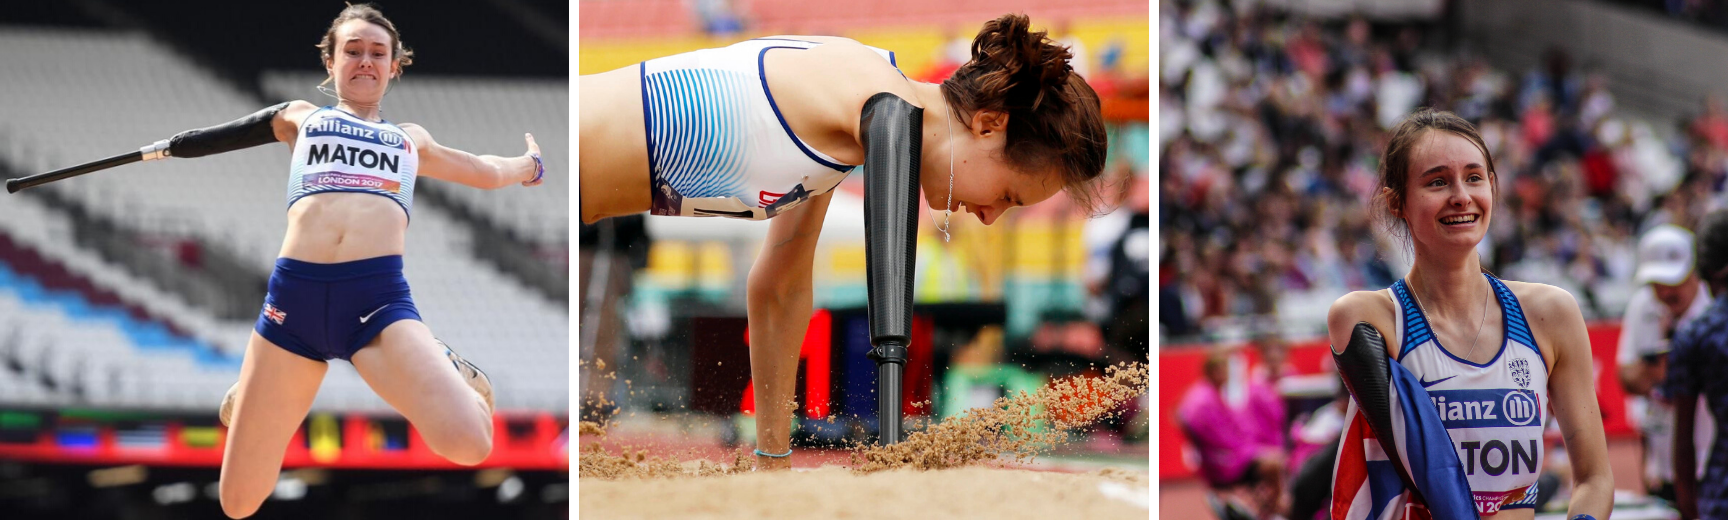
835	492
959	468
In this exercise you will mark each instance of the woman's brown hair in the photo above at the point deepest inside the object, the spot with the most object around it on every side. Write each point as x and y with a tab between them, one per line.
1054	118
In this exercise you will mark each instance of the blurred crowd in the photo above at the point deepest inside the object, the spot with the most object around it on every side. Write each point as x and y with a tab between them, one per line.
1269	136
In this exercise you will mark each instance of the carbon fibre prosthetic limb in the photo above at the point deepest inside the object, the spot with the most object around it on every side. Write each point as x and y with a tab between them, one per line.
246	132
1369	378
892	133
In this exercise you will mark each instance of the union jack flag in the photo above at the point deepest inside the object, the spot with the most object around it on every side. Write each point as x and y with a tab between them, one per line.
1366	481
276	315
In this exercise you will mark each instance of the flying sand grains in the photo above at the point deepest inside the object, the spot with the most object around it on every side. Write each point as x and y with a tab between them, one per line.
1011	425
1019	427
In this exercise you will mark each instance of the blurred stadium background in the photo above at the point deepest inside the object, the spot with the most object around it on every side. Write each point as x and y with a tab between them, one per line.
1044	292
126	297
1604	117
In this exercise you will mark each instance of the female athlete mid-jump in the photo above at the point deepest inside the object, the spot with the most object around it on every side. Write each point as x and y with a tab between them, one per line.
337	291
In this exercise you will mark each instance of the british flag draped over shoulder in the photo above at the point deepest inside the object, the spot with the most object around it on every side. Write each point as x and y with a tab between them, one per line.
1370	484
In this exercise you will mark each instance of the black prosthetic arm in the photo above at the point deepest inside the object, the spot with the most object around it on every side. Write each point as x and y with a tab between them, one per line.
1369	378
246	132
893	144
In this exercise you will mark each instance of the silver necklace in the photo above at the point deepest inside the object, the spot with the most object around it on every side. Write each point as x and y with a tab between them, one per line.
1479	326
947	212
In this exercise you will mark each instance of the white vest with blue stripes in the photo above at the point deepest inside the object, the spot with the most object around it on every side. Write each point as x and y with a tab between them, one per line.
718	144
1493	412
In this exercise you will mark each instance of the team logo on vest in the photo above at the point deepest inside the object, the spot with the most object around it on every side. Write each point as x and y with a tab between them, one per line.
390	139
1520	371
336	126
1486	407
1520	408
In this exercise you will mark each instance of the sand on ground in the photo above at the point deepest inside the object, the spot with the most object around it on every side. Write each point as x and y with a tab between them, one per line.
836	492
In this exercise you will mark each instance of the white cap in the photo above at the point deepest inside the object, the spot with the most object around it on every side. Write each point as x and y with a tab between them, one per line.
1664	255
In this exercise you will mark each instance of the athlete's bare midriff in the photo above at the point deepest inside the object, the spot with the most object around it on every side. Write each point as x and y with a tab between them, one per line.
336	227
613	164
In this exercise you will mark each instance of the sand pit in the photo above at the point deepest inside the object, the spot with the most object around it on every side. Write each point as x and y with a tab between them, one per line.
835	492
953	469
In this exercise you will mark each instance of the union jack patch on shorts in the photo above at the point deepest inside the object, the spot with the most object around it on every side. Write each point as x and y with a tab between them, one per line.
276	315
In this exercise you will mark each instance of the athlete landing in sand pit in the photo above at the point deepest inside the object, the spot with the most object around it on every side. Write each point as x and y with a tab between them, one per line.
766	128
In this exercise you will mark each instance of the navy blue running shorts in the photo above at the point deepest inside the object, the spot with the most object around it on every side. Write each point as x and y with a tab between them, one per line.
329	311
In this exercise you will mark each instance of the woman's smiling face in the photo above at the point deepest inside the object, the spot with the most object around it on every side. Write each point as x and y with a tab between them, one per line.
1449	192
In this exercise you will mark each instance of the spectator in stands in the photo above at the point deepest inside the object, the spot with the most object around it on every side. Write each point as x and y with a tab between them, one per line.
1556	80
1009	128
1230	437
1118	270
1670	296
338	291
1711	126
719	17
1315	439
1695	366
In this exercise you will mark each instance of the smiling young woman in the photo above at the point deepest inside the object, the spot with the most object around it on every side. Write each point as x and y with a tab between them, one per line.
1466	334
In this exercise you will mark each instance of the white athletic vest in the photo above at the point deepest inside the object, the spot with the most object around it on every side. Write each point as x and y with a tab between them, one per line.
337	151
717	142
1493	412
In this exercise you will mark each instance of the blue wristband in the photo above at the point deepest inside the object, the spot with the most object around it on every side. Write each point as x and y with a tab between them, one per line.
540	171
1583	517
788	453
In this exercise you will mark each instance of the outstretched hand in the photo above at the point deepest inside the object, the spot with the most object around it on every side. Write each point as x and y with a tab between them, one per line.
539	167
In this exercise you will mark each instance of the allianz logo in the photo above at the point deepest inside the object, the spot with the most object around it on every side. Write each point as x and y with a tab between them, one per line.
1516	407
